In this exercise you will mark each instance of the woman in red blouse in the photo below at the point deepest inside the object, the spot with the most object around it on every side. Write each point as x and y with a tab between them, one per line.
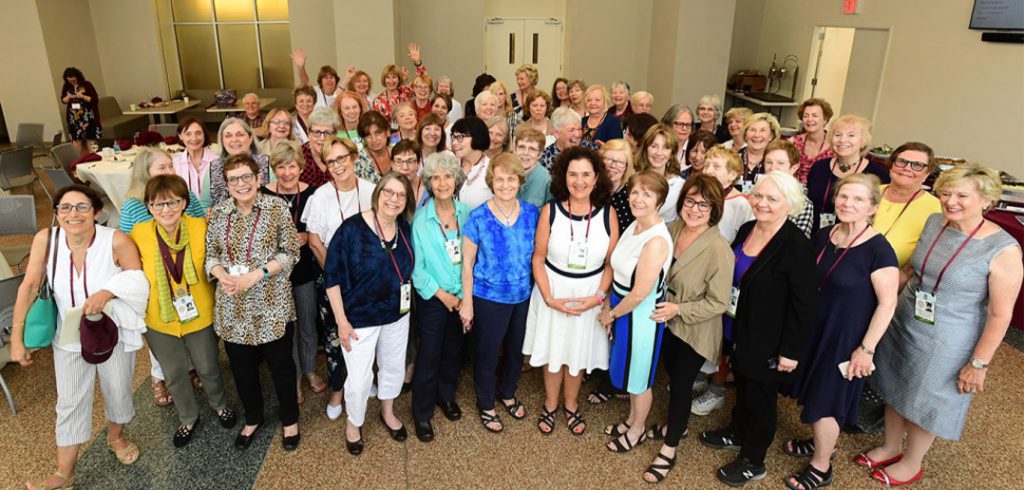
813	144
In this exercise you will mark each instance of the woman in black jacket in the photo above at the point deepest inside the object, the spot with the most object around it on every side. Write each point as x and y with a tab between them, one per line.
772	308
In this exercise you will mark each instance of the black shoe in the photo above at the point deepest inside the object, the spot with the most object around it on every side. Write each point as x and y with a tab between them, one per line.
184	434
399	434
450	410
291	443
227	418
424	431
243	442
740	472
355	448
720	439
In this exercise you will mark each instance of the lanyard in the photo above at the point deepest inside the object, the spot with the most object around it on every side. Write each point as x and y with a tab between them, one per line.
227	236
71	271
746	167
337	195
737	261
905	206
174	269
391	252
375	164
841	255
828	187
927	255
297	202
458	229
199	177
572	232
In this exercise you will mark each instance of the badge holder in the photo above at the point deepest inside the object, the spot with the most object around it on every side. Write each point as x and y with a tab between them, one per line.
924	307
405	304
577	255
734	300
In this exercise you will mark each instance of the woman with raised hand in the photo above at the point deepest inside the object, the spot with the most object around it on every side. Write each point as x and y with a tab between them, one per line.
327	86
393	80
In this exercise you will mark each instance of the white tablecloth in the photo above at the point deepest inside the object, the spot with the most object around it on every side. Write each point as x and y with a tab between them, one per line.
5	268
113	174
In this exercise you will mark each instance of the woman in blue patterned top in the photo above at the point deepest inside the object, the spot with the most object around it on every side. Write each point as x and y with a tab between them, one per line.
368	277
497	245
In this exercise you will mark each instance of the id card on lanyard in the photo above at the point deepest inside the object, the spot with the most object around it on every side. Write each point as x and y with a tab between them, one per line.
578	247
174	271
240	269
453	247
925	302
405	294
734	297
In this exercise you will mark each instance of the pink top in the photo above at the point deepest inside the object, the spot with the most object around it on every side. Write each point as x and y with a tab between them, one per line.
806	161
186	170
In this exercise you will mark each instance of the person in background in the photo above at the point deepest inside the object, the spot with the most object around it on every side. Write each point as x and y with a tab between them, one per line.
486	105
565	124
560	93
278	127
430	133
173	261
735	118
950	319
782	155
83	110
422	87
440	106
725	165
327	86
305	101
407	160
405	122
393	80
368	276
906	204
193	164
350	106
359	81
577	102
618	159
497	129
235	138
504	108
813	142
697	149
252	246
446	87
539	107
288	162
470	139
851	138
658	152
437	276
642	102
769	317
481	83
526	83
758	131
620	106
374	159
635	127
709	116
599	125
252	114
640	264
323	123
536	189
497	245
680	118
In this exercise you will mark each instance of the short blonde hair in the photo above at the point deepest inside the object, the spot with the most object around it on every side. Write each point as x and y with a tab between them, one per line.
790	189
285	152
530	71
738	113
640	94
508	162
526	134
858	121
773	124
985	179
391	70
870	181
622	145
606	97
332	140
732	159
484	94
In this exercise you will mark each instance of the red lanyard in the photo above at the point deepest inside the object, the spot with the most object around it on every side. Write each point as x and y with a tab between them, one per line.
458	230
905	206
828	187
71	271
841	255
391	253
962	245
572	232
174	269
337	195
227	236
375	164
298	202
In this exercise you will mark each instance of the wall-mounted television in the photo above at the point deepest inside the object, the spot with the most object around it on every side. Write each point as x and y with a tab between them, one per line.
998	15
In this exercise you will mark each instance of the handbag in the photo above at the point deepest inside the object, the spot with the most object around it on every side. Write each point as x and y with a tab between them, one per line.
225	98
41	320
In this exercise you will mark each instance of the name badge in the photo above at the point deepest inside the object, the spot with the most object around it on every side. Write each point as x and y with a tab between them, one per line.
405	303
577	255
746	186
924	307
827	219
238	270
76	106
186	308
454	249
734	300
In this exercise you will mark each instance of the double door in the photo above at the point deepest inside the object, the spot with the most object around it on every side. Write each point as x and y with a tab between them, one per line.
510	43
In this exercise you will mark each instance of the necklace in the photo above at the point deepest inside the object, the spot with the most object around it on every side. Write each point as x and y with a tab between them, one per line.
508	221
843	166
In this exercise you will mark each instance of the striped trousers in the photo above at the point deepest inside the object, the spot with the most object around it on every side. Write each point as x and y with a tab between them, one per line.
76	384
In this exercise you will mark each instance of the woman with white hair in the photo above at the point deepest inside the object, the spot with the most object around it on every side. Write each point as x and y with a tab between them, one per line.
620	107
437	275
642	102
236	138
486	105
709	112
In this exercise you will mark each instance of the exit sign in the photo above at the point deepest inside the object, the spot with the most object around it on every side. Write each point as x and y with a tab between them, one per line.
850	7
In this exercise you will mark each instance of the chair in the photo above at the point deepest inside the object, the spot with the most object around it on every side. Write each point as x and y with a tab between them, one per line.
64	154
29	135
16	170
165	130
8	295
17	217
58	177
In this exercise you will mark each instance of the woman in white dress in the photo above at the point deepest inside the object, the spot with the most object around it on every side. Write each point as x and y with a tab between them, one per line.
576	233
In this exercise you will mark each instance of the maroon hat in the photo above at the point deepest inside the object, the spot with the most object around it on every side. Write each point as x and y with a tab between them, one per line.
99	337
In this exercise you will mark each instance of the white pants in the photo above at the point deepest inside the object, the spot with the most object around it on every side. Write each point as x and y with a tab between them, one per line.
386	344
76	384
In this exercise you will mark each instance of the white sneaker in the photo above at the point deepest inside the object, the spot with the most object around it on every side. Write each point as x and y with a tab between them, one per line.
706	403
700	383
334	411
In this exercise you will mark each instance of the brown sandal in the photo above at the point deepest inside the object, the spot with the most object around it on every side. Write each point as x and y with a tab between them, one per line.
161	397
197	382
127	454
316	383
65	482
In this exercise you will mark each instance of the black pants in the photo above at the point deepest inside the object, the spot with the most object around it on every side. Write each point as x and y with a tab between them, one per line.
439	358
337	371
499	328
245	367
682	363
755	417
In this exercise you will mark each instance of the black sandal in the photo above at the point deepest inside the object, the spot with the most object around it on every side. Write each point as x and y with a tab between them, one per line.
514	407
618	446
597	398
547	417
183	435
574	420
486	418
661	463
799	448
613	430
810	478
657	432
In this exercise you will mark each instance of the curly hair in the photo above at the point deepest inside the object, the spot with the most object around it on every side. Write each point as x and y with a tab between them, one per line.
602	191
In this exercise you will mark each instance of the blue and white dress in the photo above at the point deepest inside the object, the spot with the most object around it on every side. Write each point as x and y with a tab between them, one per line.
636	338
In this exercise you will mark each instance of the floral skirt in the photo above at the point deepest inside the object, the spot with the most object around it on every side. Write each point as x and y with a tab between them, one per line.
83	125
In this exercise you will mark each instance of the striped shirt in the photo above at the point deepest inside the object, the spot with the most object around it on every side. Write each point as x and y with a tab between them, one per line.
134	212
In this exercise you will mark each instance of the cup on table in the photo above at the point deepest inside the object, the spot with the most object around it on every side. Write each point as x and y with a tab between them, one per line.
134	107
185	99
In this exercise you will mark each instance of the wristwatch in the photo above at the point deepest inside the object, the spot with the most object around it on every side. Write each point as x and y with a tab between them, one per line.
266	272
977	363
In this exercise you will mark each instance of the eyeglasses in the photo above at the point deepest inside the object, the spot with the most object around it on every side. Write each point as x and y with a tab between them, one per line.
321	134
458	137
682	125
82	207
406	161
172	205
246	179
614	163
337	160
528	150
758	197
390	194
915	166
702	206
280	122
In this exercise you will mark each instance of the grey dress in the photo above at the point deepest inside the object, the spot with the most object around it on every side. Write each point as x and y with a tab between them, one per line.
918	364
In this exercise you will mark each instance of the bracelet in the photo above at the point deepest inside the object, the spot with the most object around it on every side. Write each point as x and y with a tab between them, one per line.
866	350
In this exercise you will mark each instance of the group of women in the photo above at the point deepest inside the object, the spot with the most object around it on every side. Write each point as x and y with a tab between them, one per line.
673	248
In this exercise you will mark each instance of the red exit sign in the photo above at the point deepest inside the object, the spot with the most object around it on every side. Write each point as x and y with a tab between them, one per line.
850	7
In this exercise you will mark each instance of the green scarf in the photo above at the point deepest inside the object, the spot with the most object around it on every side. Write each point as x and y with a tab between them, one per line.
163	287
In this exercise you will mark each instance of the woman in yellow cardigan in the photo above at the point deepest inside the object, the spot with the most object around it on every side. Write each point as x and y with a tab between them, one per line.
180	310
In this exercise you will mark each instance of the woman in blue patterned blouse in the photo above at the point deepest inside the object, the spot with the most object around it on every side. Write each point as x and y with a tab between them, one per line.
497	245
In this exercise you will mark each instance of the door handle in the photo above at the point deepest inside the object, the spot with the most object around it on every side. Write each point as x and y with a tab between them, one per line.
536	41
511	48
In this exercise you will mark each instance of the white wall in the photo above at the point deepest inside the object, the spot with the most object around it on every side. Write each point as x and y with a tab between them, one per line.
364	35
607	41
451	39
129	49
70	41
26	84
312	29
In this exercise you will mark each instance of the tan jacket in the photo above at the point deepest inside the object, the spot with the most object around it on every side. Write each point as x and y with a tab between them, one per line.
700	282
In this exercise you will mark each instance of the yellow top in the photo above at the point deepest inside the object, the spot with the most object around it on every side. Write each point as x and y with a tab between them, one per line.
904	233
144	235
